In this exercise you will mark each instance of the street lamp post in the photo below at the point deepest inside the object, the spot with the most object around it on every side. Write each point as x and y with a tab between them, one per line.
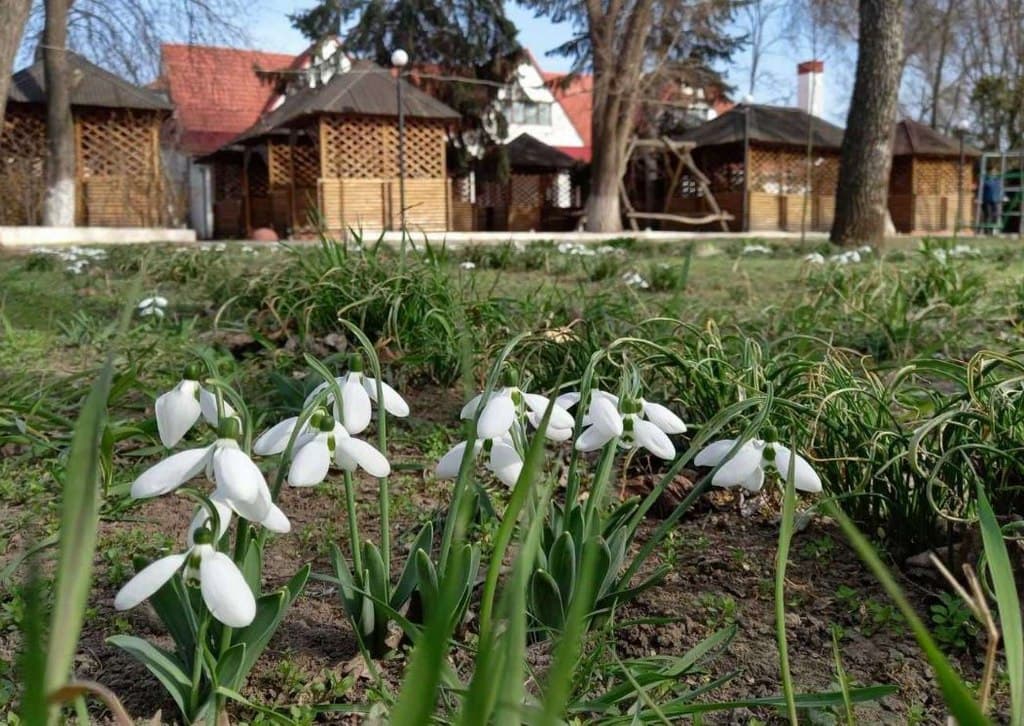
961	132
745	221
399	59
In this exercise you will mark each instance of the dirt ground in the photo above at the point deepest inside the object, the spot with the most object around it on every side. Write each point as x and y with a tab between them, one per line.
722	573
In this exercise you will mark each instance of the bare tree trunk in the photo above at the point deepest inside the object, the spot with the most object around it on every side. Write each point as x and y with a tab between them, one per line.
13	14
604	213
866	157
59	202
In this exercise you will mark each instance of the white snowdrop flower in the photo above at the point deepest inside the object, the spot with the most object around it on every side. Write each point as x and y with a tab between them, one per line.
659	415
635	279
468	265
757	250
503	459
845	258
239	482
358	392
746	467
815	258
152	306
607	421
509	405
865	249
178	410
317	446
226	593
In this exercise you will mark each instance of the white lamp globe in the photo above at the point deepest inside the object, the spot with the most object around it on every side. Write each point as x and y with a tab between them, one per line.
748	100
399	58
963	127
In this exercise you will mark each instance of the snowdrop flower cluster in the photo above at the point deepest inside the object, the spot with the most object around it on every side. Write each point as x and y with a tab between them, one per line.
178	410
635	279
815	258
746	467
851	256
239	488
76	259
637	423
152	306
943	255
326	439
468	265
756	250
574	248
500	429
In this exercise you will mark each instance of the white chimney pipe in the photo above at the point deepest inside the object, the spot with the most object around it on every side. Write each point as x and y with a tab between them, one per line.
810	92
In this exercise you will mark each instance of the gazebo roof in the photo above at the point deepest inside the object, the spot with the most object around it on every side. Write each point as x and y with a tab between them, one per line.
917	139
528	152
90	86
366	90
774	125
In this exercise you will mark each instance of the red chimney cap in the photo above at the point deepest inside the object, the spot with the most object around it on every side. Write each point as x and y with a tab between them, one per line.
811	66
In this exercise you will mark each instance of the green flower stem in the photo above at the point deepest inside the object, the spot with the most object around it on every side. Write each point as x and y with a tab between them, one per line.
197	658
353	524
785	537
599	489
384	491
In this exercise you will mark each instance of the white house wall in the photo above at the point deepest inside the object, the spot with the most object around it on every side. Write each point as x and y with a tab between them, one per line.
560	132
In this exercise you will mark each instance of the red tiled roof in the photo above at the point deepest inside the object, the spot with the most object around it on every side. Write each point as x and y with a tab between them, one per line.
216	92
577	98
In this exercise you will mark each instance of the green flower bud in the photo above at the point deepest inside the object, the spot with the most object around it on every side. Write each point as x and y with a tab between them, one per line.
193	372
325	423
768	453
203	535
630	405
355	363
230	428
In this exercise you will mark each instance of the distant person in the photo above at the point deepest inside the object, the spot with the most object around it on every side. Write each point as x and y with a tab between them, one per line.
991	196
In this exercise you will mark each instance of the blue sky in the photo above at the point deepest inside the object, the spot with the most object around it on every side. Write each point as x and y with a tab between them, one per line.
271	30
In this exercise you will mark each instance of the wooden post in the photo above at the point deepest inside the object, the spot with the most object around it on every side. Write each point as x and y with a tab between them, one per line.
246	202
154	213
81	209
291	179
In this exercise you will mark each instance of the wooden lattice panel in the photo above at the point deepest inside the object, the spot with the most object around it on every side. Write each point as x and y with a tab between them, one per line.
280	164
526	190
117	143
937	176
367	147
22	155
227	179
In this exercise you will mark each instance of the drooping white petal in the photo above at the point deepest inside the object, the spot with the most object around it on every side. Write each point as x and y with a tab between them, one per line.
208	405
663	418
560	418
552	433
241	482
170	473
505	463
597	393
393	402
275	439
568	400
605	416
737	470
202	516
176	412
276	521
148	580
224	589
755	481
652	438
365	455
310	463
316	391
593	438
469	410
711	454
448	466
804	477
497	417
355	407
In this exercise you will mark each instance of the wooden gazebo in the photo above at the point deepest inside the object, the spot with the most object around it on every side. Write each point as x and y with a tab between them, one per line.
923	194
117	149
327	158
757	163
536	193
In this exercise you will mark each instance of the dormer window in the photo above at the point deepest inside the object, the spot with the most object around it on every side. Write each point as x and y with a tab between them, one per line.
534	113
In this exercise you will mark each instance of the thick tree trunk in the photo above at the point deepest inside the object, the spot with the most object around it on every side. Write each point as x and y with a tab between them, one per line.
13	14
603	211
59	202
866	157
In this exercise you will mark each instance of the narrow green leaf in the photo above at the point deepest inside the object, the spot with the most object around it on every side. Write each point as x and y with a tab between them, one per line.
165	666
78	531
1007	601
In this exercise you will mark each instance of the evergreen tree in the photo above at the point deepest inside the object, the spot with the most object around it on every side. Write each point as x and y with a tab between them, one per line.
445	39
